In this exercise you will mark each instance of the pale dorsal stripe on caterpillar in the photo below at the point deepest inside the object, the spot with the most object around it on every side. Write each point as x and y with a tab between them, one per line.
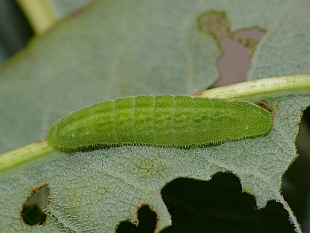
163	120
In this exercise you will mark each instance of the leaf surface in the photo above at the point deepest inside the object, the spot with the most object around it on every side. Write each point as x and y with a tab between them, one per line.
121	48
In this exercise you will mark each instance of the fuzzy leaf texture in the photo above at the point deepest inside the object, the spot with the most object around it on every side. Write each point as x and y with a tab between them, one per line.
121	48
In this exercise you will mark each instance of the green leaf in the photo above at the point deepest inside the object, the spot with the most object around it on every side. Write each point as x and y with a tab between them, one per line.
121	48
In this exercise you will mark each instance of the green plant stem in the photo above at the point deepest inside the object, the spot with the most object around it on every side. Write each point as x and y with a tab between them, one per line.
24	154
261	89
39	14
255	91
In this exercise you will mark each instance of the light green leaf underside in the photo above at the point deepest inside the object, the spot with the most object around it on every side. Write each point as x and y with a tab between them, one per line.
120	48
112	183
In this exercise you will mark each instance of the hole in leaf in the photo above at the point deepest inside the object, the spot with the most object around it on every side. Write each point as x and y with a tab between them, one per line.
237	47
233	64
147	220
31	212
219	206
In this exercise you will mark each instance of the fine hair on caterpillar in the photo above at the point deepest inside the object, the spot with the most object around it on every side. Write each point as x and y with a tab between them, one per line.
164	120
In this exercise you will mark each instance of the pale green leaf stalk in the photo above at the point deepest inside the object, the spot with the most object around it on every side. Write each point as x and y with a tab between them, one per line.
262	89
255	91
24	154
39	13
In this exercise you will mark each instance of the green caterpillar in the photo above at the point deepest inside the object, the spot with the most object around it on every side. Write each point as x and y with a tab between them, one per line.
164	120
